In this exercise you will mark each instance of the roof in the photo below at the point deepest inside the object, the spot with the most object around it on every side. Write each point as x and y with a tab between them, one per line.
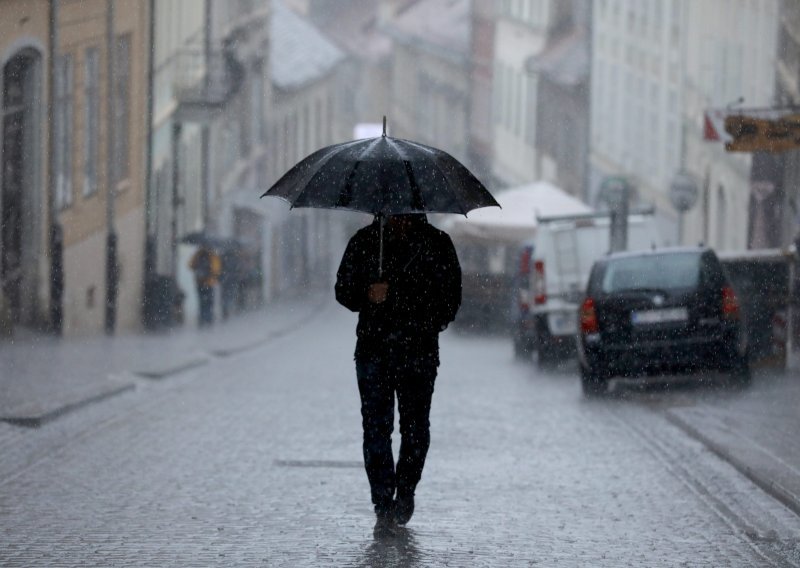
354	26
565	61
300	53
441	26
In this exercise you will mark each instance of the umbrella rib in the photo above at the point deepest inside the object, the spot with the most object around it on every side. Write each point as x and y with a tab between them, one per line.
319	169
436	161
464	210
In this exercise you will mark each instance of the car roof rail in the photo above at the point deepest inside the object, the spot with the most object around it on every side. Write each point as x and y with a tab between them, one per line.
650	210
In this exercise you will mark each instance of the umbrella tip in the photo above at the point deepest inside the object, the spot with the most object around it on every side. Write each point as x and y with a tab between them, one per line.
384	125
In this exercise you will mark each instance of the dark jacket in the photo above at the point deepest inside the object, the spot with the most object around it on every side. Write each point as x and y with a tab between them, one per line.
424	279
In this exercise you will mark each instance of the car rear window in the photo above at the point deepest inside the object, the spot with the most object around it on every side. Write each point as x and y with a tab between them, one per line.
652	271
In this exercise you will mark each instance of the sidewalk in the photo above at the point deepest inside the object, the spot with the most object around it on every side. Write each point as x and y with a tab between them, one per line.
42	377
756	431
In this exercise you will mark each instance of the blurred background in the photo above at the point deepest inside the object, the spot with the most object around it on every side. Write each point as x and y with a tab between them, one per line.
135	131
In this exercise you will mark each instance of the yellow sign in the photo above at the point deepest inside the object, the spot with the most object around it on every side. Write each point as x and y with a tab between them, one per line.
757	134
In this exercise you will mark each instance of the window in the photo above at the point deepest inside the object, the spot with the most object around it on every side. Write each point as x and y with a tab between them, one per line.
91	128
63	131
122	110
657	271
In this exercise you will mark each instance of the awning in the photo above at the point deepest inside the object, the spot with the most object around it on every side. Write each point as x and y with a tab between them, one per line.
755	129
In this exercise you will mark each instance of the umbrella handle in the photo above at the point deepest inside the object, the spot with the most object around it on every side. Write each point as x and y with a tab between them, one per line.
380	255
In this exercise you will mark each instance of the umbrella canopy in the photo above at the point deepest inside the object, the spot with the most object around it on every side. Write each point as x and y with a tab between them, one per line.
201	238
382	176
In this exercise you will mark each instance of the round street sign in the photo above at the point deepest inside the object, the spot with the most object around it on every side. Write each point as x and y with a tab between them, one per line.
614	191
683	192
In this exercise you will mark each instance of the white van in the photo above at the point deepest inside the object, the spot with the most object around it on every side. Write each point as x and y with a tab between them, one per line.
554	271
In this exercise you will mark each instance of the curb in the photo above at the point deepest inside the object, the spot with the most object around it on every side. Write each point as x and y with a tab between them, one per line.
38	418
164	372
775	490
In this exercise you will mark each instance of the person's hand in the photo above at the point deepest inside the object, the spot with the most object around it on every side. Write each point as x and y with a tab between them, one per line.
377	292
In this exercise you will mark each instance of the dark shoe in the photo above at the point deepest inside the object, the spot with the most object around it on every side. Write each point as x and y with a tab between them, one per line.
403	508
384	525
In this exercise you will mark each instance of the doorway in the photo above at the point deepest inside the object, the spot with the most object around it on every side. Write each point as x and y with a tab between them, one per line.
19	193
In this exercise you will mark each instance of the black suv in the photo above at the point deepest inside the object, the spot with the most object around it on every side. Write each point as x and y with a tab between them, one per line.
662	311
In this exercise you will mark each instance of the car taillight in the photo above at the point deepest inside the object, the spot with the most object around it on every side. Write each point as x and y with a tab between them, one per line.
539	287
524	297
525	261
588	317
730	303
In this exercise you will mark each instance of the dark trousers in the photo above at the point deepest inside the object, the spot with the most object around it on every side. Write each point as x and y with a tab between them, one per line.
380	378
206	297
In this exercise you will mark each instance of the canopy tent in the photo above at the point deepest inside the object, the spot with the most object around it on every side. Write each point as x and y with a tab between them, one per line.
516	220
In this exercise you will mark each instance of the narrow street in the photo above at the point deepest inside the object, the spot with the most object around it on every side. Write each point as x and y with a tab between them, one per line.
255	459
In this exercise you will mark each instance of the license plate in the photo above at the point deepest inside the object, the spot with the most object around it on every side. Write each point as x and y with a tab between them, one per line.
563	323
659	316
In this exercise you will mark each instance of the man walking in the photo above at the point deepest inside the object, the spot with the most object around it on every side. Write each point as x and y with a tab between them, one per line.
402	306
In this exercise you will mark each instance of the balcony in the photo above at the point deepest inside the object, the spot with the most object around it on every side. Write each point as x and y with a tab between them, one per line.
204	84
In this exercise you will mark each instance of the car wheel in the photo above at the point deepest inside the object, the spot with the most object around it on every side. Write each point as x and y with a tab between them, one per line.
740	372
593	383
522	348
547	354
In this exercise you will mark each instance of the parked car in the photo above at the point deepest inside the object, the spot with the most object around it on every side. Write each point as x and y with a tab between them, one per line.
763	280
553	272
663	311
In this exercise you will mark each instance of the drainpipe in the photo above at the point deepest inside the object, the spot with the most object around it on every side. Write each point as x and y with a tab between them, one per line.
205	140
112	271
176	199
56	234
149	248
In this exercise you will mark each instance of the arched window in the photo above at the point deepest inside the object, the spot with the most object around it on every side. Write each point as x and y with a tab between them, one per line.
19	201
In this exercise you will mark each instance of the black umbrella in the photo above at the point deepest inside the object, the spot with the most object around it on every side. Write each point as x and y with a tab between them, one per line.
201	238
383	176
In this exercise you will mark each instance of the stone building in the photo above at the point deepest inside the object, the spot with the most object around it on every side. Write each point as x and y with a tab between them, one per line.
305	115
208	138
562	112
25	214
430	97
523	29
73	185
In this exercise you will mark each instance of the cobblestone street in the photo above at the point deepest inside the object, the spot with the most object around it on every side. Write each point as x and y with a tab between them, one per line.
255	459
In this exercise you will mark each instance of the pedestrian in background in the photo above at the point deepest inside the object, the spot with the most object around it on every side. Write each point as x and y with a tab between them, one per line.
402	309
207	267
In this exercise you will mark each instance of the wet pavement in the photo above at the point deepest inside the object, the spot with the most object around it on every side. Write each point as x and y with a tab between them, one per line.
254	459
43	377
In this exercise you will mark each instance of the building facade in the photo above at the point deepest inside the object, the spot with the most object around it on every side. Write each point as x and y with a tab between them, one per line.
480	148
656	67
306	115
25	210
562	112
638	77
208	139
522	32
734	51
787	94
430	97
73	185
